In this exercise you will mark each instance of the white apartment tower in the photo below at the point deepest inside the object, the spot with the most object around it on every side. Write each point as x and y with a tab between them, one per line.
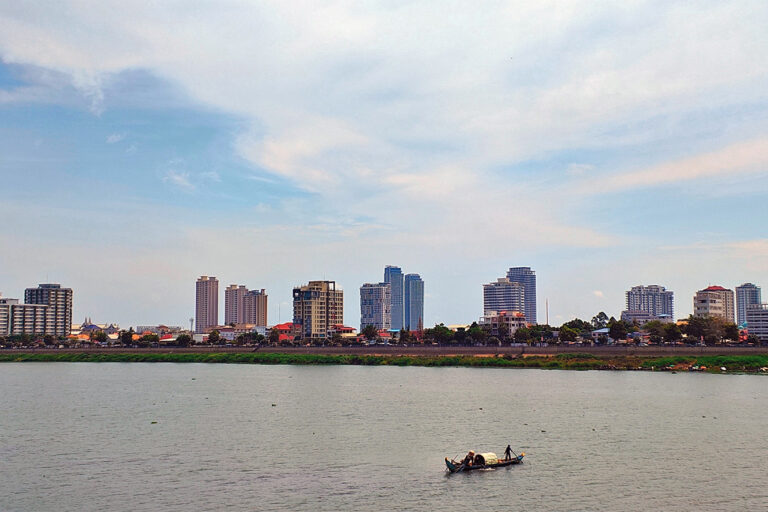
376	306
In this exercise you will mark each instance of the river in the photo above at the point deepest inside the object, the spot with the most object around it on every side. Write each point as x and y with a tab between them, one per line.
147	437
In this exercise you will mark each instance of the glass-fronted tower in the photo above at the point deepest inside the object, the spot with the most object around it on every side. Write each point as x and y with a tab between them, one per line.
526	277
394	276
413	302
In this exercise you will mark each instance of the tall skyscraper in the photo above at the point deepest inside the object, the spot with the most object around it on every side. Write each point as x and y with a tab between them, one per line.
255	307
234	302
413	302
59	301
375	306
714	301
317	307
526	277
394	276
206	303
646	303
503	295
747	295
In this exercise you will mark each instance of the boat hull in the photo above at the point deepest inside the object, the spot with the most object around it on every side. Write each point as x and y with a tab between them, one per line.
457	467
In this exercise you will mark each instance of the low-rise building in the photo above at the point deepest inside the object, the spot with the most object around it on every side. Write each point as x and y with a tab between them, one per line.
643	317
495	322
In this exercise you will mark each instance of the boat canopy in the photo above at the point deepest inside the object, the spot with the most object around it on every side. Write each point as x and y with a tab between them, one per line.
486	458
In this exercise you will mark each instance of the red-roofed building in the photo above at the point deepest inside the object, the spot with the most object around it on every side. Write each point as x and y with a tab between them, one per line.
714	301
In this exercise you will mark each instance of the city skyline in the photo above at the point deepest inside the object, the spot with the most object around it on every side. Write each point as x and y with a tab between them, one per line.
133	161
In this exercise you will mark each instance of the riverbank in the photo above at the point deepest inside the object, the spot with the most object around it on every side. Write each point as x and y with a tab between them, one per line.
575	361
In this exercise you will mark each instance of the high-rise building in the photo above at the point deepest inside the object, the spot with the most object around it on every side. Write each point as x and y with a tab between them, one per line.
714	301
747	295
59	301
646	303
375	306
255	307
206	303
757	321
317	307
503	295
526	277
234	302
394	276
413	302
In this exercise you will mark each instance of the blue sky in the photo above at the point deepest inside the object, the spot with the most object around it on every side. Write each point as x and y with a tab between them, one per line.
605	145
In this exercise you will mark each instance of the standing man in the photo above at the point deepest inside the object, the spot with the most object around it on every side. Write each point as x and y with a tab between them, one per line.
508	453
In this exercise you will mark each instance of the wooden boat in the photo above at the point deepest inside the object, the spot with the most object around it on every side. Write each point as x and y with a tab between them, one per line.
482	461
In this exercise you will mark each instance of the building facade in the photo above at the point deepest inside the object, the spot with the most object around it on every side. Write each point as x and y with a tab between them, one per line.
413	302
714	301
394	276
526	277
59	302
234	302
647	303
255	308
747	295
376	306
244	306
206	303
503	322
47	317
18	318
503	295
757	321
317	306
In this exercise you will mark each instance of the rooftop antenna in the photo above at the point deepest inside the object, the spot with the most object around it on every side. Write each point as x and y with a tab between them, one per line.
191	321
546	302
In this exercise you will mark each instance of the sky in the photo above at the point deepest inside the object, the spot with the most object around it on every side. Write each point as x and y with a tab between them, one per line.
604	144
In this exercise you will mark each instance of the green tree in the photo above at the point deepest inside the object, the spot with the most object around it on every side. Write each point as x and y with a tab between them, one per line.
337	339
523	335
100	336
503	331
655	331
672	333
49	339
404	335
370	332
126	337
441	334
731	332
274	337
579	325
214	337
477	333
183	340
600	320
618	330
568	334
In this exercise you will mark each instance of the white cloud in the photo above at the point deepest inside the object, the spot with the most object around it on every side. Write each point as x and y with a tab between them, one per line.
741	158
115	137
179	180
598	293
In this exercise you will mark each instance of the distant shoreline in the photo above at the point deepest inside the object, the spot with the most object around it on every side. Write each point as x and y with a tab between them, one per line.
739	363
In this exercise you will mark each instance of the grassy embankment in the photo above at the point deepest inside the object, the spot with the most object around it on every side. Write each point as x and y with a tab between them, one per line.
738	363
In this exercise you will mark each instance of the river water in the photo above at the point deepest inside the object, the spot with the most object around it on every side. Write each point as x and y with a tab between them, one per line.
136	437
